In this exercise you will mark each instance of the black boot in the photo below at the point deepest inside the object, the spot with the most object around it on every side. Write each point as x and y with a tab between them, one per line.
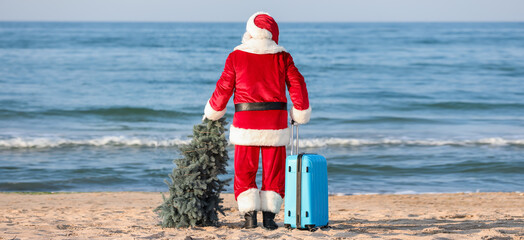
251	219
268	220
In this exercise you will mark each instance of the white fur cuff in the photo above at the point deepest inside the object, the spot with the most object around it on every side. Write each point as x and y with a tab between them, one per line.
249	200
300	116
259	137
270	201
213	114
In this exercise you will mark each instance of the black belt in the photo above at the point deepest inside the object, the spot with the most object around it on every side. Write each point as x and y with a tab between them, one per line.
260	106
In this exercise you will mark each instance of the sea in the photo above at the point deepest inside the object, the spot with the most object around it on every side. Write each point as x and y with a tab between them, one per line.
397	107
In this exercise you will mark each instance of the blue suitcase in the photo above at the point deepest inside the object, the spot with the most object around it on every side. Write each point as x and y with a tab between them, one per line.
306	199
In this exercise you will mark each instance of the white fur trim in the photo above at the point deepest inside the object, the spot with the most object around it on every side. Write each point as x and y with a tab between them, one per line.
256	32
249	200
259	137
300	116
246	37
260	46
213	114
270	201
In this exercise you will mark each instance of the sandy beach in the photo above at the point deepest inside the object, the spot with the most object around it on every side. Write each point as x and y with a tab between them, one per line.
129	215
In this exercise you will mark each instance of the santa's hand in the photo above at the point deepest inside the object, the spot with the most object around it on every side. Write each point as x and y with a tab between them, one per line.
213	114
300	116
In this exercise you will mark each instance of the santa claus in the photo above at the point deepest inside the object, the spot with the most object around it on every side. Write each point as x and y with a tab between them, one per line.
258	72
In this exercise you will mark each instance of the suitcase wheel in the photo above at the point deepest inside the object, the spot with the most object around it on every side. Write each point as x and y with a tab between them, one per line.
287	226
311	228
326	226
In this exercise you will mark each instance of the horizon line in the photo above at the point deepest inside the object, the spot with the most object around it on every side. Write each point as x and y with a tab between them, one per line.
132	21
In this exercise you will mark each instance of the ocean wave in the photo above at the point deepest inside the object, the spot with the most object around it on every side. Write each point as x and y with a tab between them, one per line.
55	142
43	142
458	105
129	113
324	142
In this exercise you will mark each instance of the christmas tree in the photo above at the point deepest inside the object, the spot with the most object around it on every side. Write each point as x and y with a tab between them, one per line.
194	190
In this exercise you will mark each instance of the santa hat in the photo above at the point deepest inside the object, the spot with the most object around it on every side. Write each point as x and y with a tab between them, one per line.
262	26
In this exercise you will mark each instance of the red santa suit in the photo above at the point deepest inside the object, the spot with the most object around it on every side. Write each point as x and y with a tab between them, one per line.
258	72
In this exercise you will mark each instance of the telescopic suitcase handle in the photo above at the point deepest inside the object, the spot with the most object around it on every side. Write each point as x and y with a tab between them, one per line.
293	145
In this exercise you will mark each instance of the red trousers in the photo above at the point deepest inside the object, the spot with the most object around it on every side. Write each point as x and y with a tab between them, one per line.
273	168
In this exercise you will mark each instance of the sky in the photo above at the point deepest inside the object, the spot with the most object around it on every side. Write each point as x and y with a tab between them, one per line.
285	11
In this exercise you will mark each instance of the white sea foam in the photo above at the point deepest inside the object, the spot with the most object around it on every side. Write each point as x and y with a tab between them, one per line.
45	142
323	142
54	142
